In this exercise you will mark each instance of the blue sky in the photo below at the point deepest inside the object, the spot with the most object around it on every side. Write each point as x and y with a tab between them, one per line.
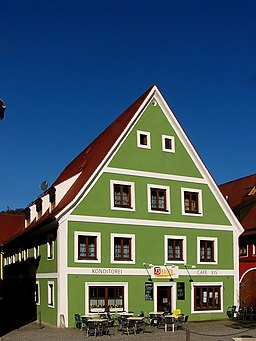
69	68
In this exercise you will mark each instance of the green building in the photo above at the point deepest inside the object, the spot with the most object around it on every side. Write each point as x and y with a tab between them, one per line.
134	223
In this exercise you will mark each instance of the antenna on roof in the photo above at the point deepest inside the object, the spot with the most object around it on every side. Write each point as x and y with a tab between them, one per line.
44	185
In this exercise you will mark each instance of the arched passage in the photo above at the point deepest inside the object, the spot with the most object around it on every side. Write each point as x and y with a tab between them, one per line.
248	289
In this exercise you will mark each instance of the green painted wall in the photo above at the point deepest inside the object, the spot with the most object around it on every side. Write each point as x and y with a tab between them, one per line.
47	265
97	202
131	157
149	242
48	314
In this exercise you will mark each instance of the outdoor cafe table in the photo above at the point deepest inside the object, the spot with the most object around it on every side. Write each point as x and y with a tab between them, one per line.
156	314
88	316
135	318
98	320
126	314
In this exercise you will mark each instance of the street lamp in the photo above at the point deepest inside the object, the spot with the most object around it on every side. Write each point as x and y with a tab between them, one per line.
2	109
145	266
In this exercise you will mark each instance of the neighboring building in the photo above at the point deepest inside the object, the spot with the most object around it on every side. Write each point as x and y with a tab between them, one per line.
134	222
10	225
241	196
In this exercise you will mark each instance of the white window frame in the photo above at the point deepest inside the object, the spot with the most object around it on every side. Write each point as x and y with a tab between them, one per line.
24	254
38	293
243	256
184	249
215	241
253	250
200	202
50	244
105	284
173	286
50	293
172	150
112	197
168	200
98	255
36	251
112	248
206	284
145	146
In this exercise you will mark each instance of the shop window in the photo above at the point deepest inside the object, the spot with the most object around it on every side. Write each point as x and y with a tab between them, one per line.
207	297
106	299
207	250
87	247
51	294
168	144
158	199
143	139
191	202
122	195
122	248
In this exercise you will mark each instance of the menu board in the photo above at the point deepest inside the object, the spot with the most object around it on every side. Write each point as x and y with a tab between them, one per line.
148	291
180	290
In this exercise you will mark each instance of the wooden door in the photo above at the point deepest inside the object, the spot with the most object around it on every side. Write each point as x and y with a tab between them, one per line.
164	299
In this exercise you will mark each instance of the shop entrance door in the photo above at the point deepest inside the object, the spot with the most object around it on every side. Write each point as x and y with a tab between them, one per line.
164	298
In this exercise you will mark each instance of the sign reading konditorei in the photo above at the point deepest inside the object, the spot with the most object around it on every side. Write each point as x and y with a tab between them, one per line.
106	271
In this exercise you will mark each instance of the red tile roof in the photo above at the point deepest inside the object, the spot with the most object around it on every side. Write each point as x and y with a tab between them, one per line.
91	157
10	225
85	164
237	195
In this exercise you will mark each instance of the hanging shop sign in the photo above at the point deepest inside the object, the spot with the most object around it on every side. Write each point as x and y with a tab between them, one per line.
165	271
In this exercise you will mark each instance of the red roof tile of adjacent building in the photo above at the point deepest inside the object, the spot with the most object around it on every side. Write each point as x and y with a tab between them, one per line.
10	225
239	193
235	191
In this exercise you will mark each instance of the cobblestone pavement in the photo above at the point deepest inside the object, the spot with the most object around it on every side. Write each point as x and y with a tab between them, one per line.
223	330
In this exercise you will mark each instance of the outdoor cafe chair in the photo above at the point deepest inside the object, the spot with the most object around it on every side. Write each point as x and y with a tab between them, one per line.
78	321
91	328
183	321
169	322
104	328
140	326
128	327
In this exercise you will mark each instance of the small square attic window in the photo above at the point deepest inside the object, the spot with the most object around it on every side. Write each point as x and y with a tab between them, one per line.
143	139
168	144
